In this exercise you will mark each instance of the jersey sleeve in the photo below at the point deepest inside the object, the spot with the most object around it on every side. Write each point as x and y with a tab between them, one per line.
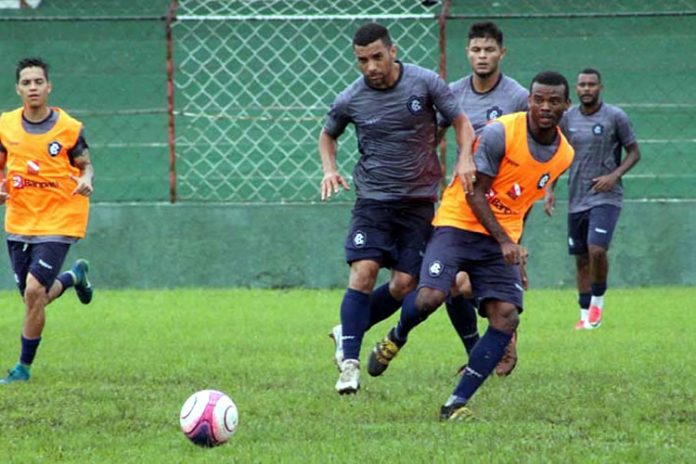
491	149
337	118
455	89
624	128
447	105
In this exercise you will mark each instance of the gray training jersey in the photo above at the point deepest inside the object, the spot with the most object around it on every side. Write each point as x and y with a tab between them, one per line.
491	149
507	96
598	140
396	130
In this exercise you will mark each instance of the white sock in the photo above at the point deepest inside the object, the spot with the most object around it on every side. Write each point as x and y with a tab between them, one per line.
597	301
583	314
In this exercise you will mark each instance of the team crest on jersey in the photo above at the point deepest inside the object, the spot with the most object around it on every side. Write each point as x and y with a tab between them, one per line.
33	167
415	105
359	239
543	180
435	268
54	148
598	129
494	113
515	191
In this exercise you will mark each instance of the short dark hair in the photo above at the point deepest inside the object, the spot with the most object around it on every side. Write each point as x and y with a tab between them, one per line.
486	30
551	78
32	62
371	32
592	71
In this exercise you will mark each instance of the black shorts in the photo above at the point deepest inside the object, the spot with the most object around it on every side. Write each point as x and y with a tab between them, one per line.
393	233
594	226
451	250
42	260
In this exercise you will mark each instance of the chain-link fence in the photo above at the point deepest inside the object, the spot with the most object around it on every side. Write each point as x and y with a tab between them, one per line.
253	79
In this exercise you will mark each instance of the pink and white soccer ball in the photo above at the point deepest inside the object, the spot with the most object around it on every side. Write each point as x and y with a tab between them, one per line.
209	418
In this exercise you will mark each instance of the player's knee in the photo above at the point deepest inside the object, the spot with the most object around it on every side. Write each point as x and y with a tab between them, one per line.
463	285
502	316
429	299
34	294
402	284
597	253
363	276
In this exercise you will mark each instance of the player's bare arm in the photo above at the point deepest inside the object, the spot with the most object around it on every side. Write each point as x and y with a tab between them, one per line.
84	181
482	209
465	167
550	199
332	178
606	183
3	183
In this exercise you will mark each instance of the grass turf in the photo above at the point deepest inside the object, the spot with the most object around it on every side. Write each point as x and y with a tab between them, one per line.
110	378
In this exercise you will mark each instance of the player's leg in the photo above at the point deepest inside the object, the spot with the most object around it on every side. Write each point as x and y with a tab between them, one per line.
366	245
577	246
498	286
44	263
354	320
437	274
462	313
602	223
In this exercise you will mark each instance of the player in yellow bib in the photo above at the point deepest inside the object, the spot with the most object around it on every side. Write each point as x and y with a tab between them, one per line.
46	189
517	157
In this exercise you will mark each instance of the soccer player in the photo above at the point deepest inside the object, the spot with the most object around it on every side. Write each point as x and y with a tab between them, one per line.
516	157
598	132
485	94
46	192
393	107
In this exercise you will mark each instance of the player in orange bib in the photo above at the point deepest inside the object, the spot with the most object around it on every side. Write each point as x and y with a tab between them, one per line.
46	189
517	156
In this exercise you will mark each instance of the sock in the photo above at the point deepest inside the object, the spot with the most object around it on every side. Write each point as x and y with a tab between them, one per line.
598	291
354	319
462	314
382	305
584	302
29	347
484	357
410	318
67	279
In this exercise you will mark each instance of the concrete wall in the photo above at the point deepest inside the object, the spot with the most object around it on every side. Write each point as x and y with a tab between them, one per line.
163	245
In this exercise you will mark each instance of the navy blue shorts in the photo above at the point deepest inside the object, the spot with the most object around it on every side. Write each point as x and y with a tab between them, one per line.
451	250
42	260
393	233
594	226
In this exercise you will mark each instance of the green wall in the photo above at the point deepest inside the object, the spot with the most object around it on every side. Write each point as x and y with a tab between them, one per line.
165	245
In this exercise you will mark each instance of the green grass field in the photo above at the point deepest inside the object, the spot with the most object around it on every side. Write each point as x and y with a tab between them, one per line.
110	379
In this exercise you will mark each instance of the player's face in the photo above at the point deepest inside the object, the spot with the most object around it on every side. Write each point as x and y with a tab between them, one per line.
484	56
33	87
547	104
376	63
588	88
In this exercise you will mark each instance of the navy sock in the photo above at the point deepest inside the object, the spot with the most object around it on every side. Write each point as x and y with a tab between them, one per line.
584	300
354	319
599	289
67	279
29	347
484	357
410	318
462	314
382	304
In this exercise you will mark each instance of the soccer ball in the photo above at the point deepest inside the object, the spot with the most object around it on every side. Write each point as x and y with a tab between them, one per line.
209	418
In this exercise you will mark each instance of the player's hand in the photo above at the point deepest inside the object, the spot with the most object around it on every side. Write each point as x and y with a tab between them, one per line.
466	171
512	252
549	202
3	192
84	185
604	183
331	184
